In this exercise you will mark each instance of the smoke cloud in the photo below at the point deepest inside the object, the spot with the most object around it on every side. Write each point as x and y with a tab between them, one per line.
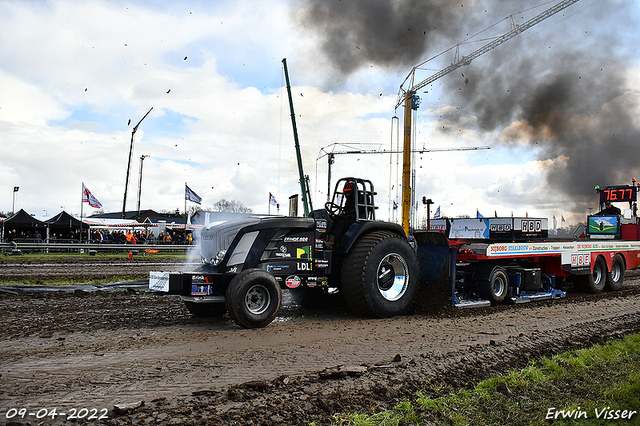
391	34
563	91
573	106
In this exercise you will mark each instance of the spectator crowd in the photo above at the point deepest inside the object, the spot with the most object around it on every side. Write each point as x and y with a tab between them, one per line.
102	236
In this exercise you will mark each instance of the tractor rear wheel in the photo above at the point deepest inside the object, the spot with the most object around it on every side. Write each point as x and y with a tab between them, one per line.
380	275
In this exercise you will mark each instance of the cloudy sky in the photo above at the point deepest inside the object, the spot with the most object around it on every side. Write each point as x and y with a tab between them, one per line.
558	105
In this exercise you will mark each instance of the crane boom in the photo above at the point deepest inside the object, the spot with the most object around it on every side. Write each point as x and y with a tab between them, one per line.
406	96
393	151
331	155
466	60
126	181
304	180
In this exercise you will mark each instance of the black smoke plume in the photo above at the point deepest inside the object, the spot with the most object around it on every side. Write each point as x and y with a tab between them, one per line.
391	34
561	87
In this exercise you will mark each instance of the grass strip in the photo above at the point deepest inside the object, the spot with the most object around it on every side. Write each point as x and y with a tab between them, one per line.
595	386
36	257
74	280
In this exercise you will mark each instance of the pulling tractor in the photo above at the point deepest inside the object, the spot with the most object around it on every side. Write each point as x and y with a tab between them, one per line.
246	262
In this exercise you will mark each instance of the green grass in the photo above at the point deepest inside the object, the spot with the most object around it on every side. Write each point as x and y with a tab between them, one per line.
588	381
75	280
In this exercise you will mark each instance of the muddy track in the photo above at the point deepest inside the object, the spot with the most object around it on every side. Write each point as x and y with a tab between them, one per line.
105	349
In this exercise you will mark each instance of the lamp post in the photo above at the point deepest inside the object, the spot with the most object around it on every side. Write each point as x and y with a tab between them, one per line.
427	202
142	157
13	208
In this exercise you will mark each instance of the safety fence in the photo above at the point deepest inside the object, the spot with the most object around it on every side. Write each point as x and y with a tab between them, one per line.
92	249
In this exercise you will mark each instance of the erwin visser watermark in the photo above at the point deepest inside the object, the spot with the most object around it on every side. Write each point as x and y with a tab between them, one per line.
605	413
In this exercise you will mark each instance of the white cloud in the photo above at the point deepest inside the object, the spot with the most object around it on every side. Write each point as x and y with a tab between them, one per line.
72	73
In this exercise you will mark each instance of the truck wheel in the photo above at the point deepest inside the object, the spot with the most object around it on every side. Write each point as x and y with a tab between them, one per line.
380	275
616	275
253	298
206	309
594	283
496	287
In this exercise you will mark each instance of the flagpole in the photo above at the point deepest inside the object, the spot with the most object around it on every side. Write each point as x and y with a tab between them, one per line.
185	212
269	205
81	210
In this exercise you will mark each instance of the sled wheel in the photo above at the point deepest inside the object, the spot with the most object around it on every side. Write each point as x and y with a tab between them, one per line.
253	298
594	282
616	275
380	275
206	309
494	289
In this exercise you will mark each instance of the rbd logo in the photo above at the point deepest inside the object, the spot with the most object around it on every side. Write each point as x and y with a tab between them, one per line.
303	266
531	225
580	259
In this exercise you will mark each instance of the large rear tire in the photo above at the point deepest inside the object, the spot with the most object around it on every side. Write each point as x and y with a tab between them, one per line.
594	282
380	275
616	274
253	298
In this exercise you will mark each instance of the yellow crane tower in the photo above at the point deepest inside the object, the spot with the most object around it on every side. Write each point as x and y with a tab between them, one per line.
407	95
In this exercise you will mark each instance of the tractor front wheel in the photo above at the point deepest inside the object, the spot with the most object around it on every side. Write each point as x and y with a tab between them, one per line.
253	298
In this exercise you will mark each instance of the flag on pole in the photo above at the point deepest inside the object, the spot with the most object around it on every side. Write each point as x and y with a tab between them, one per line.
437	213
87	197
555	225
272	200
395	205
189	195
16	188
478	215
562	219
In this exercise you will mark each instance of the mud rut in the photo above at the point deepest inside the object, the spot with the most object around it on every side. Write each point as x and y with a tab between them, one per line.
148	361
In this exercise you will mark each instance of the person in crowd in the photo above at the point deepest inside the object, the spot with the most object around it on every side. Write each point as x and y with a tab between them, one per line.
11	239
167	238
